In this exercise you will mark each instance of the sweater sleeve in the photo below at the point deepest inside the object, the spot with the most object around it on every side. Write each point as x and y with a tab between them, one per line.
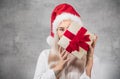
42	72
95	73
84	76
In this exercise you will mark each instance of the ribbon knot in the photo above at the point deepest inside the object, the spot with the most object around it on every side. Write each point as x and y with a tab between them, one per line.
78	40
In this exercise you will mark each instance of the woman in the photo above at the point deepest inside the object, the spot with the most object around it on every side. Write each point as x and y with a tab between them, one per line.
57	63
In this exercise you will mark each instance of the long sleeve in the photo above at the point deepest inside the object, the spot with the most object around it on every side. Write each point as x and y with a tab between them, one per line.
42	72
84	76
96	68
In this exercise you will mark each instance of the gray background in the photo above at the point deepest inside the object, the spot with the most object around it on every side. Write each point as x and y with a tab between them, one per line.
24	26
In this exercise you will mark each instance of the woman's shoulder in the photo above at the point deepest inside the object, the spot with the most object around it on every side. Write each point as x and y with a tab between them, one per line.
45	52
43	56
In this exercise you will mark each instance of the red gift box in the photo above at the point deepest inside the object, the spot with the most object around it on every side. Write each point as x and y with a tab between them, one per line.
76	40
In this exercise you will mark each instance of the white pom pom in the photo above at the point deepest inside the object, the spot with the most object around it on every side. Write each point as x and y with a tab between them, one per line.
50	40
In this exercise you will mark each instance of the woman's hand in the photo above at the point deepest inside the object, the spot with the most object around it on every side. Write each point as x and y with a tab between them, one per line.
89	63
62	62
92	47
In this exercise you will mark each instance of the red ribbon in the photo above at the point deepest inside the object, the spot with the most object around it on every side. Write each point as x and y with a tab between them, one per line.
78	40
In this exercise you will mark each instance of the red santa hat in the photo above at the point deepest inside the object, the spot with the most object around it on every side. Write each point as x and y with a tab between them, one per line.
60	13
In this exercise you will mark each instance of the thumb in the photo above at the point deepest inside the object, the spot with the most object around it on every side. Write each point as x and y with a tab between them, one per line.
90	48
94	41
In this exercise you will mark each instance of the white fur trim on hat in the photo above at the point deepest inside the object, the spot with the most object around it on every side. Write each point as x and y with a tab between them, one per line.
64	16
56	22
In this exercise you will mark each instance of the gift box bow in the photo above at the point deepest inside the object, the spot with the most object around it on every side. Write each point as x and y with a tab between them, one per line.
76	40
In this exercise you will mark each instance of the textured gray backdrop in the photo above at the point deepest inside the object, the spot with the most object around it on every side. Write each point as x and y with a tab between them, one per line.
24	26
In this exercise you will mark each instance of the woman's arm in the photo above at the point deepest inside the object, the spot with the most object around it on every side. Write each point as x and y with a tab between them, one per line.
94	71
89	63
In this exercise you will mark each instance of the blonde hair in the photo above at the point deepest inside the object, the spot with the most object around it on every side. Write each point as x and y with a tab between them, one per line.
68	74
54	47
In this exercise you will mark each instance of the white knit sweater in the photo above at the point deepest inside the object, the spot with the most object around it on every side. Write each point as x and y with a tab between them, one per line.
44	72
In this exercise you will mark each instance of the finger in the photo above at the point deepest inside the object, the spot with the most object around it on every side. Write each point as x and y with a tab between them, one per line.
96	38
59	52
65	55
93	44
60	49
94	41
68	59
90	48
63	52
